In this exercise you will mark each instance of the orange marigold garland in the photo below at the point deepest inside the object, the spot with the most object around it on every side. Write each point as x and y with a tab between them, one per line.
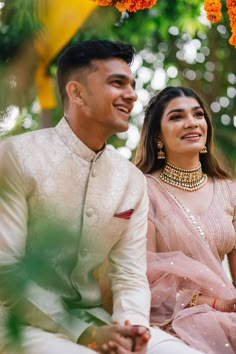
127	5
104	2
231	5
213	10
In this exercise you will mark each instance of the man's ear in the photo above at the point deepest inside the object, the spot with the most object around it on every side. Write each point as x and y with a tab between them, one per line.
74	92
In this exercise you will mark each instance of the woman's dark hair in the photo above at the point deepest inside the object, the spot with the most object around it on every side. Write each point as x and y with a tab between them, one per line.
146	155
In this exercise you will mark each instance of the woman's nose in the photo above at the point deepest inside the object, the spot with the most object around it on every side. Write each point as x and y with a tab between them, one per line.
191	121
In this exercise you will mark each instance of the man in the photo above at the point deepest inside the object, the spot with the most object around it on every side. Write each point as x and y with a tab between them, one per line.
63	185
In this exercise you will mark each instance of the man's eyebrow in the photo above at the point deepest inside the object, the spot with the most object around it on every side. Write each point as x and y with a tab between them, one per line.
123	78
182	109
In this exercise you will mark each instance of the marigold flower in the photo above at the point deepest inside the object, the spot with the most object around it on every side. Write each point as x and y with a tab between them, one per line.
232	40
104	2
213	10
127	5
231	5
134	5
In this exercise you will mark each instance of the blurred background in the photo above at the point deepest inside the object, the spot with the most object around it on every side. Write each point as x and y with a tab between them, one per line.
175	45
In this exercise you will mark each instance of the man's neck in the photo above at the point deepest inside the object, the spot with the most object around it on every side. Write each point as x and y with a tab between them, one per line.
87	136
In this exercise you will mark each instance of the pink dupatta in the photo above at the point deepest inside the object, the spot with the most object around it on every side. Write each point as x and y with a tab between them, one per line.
186	263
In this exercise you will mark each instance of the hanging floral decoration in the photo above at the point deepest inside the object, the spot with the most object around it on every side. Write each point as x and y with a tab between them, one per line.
212	8
128	5
213	11
231	6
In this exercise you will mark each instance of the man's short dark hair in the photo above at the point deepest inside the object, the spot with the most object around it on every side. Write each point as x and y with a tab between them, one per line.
81	54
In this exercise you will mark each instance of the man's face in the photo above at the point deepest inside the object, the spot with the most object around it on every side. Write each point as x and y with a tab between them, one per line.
108	96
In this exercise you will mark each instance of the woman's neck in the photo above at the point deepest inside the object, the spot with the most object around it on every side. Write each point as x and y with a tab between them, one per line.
184	163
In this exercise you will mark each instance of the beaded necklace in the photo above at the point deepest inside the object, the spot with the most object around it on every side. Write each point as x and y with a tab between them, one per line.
189	180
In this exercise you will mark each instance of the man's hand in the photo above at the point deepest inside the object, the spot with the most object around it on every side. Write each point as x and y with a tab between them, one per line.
116	339
96	337
140	339
139	335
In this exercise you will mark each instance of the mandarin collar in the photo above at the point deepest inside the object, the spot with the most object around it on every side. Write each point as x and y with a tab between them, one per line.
71	140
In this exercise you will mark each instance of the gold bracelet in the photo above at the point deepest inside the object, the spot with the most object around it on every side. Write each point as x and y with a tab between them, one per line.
193	301
93	344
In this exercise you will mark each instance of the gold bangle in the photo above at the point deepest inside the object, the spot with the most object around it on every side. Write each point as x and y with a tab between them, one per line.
193	301
93	344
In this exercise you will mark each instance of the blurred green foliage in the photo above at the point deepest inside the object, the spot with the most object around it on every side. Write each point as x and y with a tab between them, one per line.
17	24
46	254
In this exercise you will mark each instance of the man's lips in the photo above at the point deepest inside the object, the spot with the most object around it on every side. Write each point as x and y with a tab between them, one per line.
124	109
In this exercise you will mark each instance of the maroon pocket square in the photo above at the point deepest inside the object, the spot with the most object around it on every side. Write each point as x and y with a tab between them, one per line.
124	214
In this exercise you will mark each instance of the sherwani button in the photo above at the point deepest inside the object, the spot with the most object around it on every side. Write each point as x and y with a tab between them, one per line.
94	172
89	212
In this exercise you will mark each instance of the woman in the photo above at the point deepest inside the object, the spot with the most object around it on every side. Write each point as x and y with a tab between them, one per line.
192	223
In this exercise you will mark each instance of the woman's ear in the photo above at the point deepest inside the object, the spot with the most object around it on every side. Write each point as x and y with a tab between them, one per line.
74	92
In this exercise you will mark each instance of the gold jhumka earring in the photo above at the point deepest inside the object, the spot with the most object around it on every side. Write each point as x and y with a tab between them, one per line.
160	153
204	150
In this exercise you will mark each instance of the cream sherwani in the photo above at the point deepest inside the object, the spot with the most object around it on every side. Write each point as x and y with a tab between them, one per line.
61	205
50	176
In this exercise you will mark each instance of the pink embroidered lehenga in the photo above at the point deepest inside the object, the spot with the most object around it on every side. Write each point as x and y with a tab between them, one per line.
190	250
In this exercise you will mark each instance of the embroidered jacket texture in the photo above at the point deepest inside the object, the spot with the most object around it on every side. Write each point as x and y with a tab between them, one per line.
50	175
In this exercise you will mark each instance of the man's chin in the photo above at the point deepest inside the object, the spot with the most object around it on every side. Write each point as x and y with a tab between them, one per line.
123	127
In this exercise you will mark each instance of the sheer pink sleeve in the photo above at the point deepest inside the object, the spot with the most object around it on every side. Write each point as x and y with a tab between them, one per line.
183	264
234	201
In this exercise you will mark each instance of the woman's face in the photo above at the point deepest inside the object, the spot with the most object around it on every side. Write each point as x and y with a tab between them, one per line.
183	128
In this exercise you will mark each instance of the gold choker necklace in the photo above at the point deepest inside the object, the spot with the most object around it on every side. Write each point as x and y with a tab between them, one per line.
188	180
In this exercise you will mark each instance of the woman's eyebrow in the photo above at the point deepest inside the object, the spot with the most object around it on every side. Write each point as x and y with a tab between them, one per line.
176	110
182	109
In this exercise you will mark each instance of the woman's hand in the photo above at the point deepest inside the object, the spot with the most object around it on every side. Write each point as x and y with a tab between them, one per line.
217	303
114	348
116	338
95	337
140	338
225	305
